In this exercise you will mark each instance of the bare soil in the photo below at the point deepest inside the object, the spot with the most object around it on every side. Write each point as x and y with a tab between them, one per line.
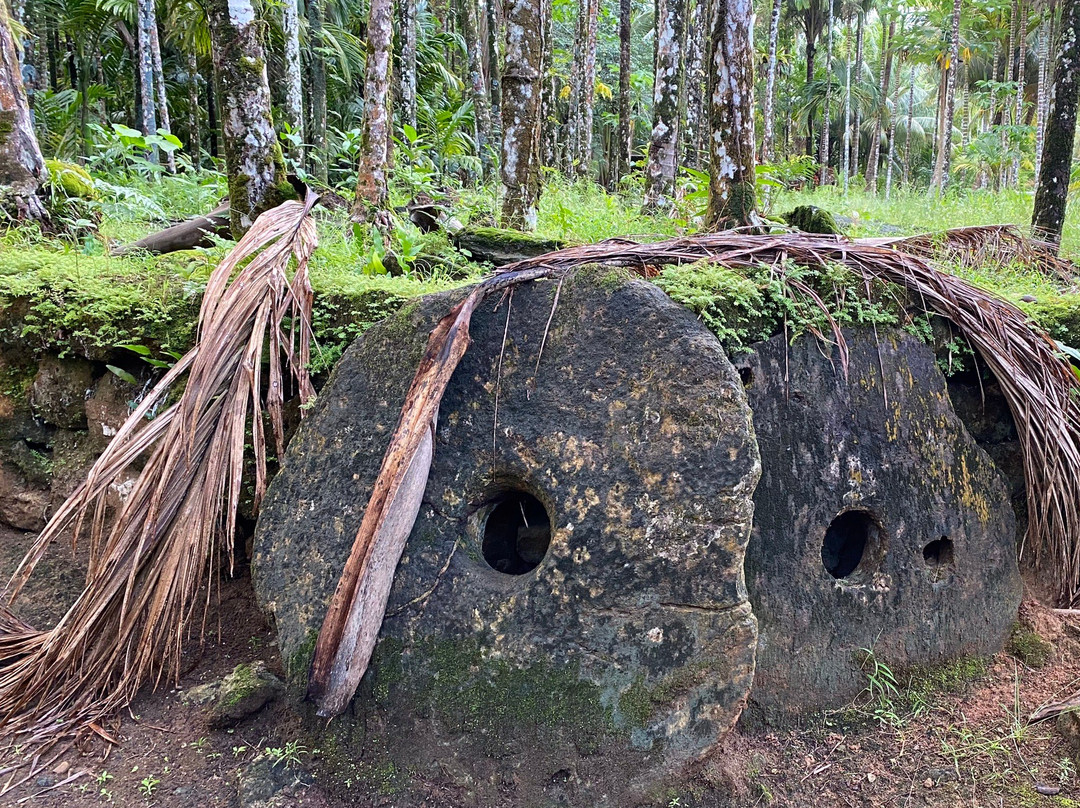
910	749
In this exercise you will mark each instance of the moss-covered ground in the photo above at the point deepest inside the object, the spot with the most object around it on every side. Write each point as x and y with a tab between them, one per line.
69	296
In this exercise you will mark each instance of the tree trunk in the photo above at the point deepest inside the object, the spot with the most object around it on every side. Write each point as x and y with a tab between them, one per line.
212	117
694	82
847	109
22	169
826	112
731	117
521	92
494	35
1052	190
582	158
811	55
477	84
294	93
159	85
146	24
372	183
910	124
891	142
626	122
856	135
663	142
768	111
316	132
253	161
193	134
1021	68
1041	94
945	155
883	88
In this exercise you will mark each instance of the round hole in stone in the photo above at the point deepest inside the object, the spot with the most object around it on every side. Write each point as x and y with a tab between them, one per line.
846	541
747	376
517	533
938	553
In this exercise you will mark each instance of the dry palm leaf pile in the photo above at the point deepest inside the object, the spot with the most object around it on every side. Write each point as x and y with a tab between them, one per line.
139	600
149	571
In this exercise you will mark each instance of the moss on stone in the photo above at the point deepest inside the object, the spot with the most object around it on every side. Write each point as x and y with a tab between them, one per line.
241	683
494	699
1028	647
299	663
73	180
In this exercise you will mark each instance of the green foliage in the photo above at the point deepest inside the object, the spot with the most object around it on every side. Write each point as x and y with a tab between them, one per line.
744	306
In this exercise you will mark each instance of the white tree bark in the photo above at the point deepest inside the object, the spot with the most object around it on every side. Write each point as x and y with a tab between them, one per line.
663	142
22	169
769	108
294	93
521	95
146	26
373	182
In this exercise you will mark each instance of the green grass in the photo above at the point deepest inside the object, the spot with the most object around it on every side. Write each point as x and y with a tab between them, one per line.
918	212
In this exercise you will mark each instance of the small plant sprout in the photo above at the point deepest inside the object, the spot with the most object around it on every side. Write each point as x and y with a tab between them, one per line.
148	786
288	755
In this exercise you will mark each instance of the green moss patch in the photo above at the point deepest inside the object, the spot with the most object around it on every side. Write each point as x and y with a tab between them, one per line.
1029	647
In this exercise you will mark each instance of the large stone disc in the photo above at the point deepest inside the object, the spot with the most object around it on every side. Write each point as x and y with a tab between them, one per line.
514	671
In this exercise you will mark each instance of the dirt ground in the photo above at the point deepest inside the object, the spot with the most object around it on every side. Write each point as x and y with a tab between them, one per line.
958	737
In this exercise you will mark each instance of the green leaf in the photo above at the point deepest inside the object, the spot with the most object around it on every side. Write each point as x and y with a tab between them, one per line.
126	131
141	350
122	374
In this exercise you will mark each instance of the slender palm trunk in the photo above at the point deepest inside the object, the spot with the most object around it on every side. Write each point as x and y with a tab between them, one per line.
856	139
846	172
890	157
255	167
521	96
910	126
826	113
950	99
1041	94
694	81
583	91
194	134
477	82
1021	69
22	169
883	88
663	142
731	117
316	132
768	111
373	182
1052	190
148	119
294	94
159	85
626	123
494	37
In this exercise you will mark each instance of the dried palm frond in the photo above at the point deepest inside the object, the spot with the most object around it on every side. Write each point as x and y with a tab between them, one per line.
1038	384
147	570
982	244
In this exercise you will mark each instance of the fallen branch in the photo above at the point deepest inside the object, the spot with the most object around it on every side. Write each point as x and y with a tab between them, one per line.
187	235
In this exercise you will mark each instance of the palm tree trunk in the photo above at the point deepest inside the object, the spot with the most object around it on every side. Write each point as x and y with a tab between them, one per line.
521	92
22	168
148	120
1052	190
694	81
883	88
159	85
477	83
663	142
494	34
316	132
950	98
294	93
856	139
732	201
1021	69
847	108
826	113
890	156
768	112
255	167
373	182
626	123
1041	94
910	126
193	133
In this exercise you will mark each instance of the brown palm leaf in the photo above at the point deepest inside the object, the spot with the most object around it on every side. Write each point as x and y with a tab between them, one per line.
147	569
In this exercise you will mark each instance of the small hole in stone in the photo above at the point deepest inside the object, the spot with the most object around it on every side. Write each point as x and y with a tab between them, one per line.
938	553
846	542
747	376
517	533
